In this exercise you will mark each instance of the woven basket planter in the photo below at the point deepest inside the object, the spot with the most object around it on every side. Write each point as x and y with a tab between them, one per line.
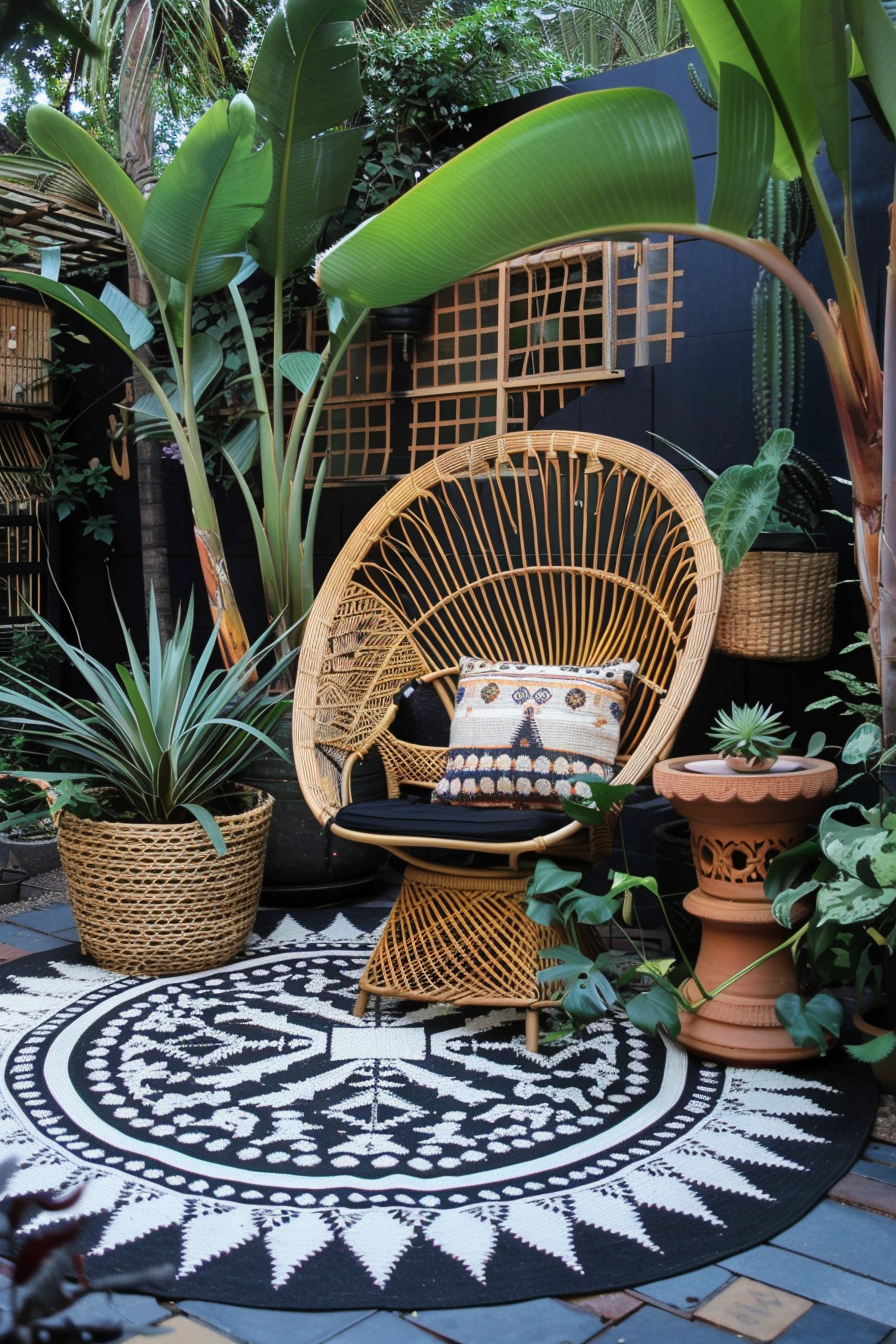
778	605
158	900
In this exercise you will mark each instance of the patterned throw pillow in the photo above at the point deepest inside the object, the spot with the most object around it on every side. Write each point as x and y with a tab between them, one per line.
520	730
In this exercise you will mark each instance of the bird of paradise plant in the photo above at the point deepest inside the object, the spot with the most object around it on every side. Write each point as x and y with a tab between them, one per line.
252	185
618	162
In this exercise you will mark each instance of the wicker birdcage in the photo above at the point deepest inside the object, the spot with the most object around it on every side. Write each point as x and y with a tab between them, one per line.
157	899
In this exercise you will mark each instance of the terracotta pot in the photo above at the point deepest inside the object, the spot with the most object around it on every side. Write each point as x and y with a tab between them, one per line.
739	823
884	1069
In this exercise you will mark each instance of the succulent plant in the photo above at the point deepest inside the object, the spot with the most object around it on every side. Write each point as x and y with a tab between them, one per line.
751	732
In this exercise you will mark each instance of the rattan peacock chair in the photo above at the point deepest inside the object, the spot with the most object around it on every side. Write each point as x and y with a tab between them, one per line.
547	547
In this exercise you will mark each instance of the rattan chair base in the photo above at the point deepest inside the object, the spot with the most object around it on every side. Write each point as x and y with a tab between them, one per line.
463	940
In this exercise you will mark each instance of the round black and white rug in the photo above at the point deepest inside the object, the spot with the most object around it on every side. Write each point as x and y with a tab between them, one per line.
241	1125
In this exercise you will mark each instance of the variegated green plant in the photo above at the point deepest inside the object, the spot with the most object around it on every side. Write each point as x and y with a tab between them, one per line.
848	870
164	744
621	979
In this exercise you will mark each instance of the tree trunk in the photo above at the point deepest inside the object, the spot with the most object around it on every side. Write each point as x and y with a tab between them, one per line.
137	142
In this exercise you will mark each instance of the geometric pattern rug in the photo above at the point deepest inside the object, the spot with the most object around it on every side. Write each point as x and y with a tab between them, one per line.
241	1126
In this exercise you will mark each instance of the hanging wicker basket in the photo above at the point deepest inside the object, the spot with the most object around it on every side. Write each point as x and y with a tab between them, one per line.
157	899
778	605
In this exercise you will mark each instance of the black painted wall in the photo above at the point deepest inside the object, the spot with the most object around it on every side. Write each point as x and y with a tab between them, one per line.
702	400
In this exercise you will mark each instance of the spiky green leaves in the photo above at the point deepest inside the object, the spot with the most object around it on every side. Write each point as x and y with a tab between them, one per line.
751	731
166	740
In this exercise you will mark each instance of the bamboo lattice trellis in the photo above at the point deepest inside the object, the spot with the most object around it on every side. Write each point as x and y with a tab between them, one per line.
24	353
24	487
508	347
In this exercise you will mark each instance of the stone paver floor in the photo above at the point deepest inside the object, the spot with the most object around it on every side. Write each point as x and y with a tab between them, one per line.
829	1279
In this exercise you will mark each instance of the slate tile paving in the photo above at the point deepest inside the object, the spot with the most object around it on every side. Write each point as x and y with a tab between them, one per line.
828	1325
753	1309
56	919
255	1326
543	1320
685	1292
884	1153
876	1171
9	953
845	1237
30	940
652	1325
608	1306
810	1278
840	1259
866	1193
130	1310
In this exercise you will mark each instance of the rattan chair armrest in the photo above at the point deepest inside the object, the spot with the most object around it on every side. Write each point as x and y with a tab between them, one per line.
412	764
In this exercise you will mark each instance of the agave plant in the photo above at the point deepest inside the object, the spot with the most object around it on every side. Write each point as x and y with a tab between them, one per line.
751	732
163	744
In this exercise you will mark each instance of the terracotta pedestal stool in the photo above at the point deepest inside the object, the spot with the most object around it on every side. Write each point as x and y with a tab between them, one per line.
738	824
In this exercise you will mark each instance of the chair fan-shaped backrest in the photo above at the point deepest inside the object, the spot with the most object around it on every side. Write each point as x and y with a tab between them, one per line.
544	547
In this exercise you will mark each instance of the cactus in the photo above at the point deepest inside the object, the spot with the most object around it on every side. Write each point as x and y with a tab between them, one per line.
785	218
805	492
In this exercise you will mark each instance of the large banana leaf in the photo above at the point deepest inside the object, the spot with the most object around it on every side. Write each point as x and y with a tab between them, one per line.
208	359
305	81
208	198
764	38
60	138
617	161
746	140
875	37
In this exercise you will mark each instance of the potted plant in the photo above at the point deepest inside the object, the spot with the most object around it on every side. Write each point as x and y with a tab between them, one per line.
749	739
27	833
161	846
778	595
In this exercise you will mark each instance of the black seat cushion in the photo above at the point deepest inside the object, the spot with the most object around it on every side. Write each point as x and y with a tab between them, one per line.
434	821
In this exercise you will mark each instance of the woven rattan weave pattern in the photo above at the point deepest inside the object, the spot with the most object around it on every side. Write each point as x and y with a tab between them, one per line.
158	900
778	605
553	548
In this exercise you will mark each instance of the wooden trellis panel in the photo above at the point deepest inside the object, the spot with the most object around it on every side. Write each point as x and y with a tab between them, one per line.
508	347
24	353
645	303
356	420
24	487
36	219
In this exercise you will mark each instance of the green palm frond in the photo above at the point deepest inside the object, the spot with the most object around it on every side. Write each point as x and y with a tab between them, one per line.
180	46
